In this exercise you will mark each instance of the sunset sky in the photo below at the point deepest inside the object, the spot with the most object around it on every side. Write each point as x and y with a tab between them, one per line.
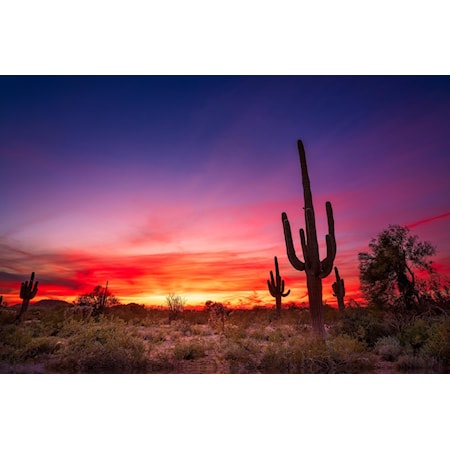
162	184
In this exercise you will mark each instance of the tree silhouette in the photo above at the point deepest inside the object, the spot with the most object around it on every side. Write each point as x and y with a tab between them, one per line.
388	270
99	298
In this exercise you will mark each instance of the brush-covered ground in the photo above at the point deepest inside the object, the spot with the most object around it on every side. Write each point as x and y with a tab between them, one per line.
134	339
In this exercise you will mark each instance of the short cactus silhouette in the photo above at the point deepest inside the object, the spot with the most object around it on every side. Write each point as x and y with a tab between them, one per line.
27	292
276	287
339	290
315	268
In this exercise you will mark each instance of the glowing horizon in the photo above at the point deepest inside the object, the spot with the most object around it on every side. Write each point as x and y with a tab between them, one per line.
177	184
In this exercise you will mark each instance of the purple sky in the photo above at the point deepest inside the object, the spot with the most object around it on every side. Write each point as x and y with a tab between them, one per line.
177	184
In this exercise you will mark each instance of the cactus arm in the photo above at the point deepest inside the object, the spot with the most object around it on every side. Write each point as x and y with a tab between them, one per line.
286	293
27	291
272	292
293	259
272	286
327	263
305	249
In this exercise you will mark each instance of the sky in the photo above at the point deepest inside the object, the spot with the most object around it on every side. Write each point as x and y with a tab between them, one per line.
176	184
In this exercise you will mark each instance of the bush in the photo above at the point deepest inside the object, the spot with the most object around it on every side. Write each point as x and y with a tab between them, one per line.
40	346
415	335
438	343
240	354
389	348
341	354
189	350
283	358
101	347
415	364
361	324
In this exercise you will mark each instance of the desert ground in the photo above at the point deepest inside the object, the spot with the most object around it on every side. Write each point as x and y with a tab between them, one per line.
56	338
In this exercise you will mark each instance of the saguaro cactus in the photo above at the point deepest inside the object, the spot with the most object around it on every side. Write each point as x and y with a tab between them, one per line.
339	290
27	292
276	287
314	268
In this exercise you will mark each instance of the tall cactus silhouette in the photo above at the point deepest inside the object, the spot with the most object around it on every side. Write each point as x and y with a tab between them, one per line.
27	292
339	290
276	287
314	268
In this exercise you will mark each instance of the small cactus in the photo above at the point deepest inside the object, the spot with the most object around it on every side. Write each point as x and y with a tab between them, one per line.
276	287
27	292
339	290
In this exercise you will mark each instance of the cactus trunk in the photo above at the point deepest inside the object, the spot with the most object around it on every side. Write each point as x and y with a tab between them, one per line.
315	268
314	285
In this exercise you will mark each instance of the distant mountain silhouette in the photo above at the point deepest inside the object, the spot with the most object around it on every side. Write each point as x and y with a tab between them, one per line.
49	303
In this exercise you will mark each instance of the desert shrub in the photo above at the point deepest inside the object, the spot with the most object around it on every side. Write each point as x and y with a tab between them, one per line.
415	363
175	305
201	330
155	336
281	333
281	359
257	333
362	324
7	316
184	327
235	333
241	318
189	350
330	314
389	348
438	343
13	339
276	336
40	346
348	355
341	354
101	347
241	355
415	335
